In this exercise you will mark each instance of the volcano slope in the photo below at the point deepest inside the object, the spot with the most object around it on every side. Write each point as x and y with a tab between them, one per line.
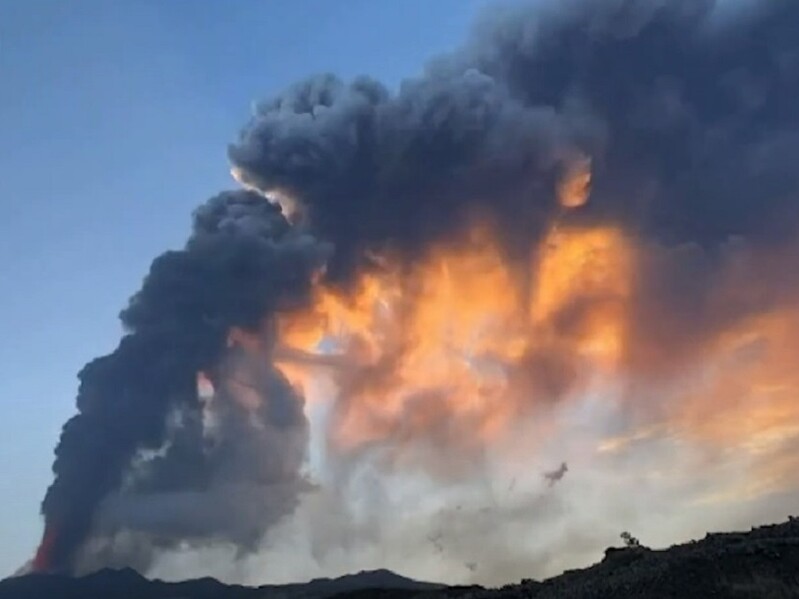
760	564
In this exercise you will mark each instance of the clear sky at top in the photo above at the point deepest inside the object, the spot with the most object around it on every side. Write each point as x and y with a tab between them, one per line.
114	121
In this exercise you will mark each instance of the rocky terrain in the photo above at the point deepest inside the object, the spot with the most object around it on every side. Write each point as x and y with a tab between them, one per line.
760	564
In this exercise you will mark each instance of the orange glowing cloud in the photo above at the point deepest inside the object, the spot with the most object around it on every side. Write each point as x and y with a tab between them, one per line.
452	349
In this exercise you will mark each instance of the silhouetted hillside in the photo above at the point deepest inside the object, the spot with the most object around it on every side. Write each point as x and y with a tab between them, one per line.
128	584
760	564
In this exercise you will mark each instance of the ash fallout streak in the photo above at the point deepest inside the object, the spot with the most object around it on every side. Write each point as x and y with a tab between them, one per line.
587	194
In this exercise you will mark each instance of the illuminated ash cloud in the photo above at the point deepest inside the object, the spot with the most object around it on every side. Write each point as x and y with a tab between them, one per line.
631	162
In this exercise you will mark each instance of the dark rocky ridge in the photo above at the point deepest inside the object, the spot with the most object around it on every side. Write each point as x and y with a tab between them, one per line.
760	564
129	584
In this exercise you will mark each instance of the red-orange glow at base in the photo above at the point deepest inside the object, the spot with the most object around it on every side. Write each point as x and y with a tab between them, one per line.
42	562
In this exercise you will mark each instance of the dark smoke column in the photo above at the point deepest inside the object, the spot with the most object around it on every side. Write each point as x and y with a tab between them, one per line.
242	263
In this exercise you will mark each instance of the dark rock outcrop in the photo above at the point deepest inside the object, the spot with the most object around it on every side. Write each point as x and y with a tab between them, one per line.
760	564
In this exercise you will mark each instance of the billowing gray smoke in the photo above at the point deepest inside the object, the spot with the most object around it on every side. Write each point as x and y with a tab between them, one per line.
689	119
687	109
242	263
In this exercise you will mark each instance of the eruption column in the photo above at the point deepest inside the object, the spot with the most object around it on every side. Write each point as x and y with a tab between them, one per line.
443	235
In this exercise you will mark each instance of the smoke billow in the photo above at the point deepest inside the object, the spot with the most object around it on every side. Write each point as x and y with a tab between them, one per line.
242	264
612	183
688	121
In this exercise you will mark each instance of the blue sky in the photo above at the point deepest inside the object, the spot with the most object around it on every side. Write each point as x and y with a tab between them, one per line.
114	120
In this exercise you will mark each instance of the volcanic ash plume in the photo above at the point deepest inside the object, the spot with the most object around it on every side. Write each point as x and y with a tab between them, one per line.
573	240
146	453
